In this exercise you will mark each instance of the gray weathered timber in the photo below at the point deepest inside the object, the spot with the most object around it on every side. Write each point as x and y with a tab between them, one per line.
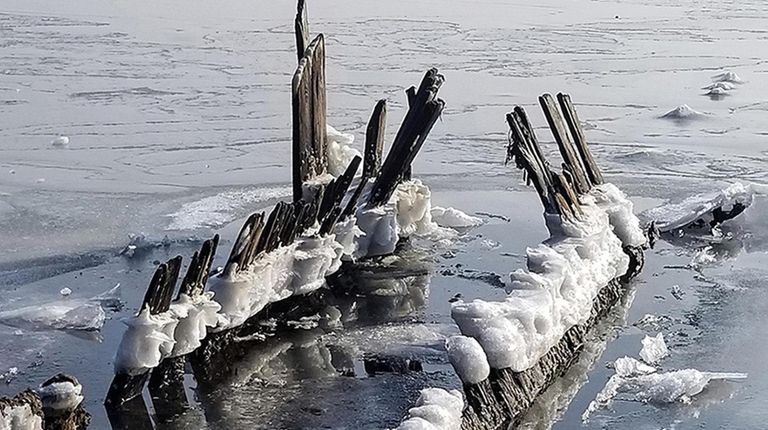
302	29
308	95
424	110
501	400
564	143
574	125
374	140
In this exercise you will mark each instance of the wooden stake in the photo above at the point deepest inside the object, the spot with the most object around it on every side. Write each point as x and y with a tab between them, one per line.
374	139
302	29
569	113
564	142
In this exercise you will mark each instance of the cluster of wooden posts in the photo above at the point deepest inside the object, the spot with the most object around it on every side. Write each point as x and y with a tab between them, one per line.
315	203
492	404
503	398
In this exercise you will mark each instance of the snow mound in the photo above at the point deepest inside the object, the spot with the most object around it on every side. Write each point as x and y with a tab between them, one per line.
340	151
682	112
436	409
654	349
20	418
454	218
468	358
699	210
60	141
723	85
727	76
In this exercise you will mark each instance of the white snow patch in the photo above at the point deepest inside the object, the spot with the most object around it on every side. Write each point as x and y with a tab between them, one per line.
468	358
20	418
407	213
340	151
298	268
436	409
217	210
454	218
60	141
654	349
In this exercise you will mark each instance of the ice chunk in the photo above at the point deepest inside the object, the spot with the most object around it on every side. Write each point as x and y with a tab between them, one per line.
340	151
672	386
435	409
628	366
704	210
60	141
452	217
654	349
60	315
668	387
682	112
468	358
65	291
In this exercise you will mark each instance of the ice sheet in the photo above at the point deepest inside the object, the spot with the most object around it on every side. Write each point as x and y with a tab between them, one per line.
698	209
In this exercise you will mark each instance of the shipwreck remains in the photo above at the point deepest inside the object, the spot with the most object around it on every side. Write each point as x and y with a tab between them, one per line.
510	351
279	261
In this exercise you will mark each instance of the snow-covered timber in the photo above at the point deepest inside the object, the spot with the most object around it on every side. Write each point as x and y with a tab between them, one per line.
55	405
286	255
511	351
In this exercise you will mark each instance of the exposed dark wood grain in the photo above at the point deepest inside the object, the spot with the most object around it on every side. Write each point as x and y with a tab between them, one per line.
374	139
564	143
577	132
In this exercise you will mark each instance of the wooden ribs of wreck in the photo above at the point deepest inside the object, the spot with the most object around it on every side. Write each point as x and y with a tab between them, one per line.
501	400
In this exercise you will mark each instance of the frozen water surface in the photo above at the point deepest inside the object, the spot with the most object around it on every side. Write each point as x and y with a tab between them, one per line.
177	123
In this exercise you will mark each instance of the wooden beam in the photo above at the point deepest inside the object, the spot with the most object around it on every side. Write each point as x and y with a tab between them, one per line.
302	29
564	143
577	132
374	139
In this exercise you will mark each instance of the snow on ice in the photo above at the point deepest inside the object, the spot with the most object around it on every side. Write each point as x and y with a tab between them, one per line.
436	409
565	274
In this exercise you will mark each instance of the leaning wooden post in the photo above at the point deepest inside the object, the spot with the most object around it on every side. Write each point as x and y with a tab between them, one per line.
564	143
374	140
569	112
302	29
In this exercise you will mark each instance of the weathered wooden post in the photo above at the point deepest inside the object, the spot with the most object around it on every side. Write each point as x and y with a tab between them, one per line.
374	140
309	116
